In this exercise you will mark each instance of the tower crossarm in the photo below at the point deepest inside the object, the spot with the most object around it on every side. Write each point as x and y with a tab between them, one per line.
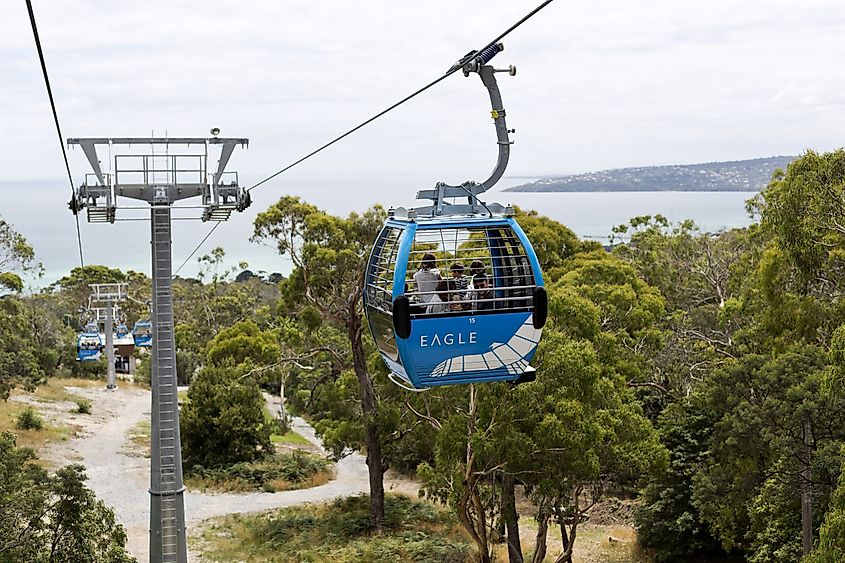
172	169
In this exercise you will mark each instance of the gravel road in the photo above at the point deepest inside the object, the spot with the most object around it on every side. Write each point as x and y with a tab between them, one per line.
122	480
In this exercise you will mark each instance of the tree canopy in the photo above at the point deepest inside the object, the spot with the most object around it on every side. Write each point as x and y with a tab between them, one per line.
53	517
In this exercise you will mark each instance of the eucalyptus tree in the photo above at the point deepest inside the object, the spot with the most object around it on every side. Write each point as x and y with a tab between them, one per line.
21	361
801	276
17	258
587	431
701	276
749	491
568	436
329	256
756	445
831	545
553	242
46	517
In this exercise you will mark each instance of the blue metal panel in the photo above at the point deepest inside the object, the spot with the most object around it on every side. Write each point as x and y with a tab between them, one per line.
396	368
143	339
89	354
465	348
405	244
402	256
469	349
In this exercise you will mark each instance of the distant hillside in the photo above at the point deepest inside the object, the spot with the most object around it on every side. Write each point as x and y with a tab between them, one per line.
737	176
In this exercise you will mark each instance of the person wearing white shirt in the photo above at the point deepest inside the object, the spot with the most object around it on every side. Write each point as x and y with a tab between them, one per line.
427	278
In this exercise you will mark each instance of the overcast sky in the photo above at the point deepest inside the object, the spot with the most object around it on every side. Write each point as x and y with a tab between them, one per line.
600	83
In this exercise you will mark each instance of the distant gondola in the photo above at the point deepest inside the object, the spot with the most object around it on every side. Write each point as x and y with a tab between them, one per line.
143	334
89	344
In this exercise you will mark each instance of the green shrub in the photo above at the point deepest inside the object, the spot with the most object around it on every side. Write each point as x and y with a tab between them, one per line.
280	426
294	468
29	419
53	516
187	363
83	406
223	421
143	373
286	527
340	531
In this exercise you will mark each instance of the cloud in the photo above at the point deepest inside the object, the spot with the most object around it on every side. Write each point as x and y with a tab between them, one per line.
291	75
801	96
600	84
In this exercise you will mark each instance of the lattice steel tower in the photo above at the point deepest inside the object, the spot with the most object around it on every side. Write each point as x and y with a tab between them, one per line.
161	180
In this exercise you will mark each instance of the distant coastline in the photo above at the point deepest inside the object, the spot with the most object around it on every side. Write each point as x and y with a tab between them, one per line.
732	176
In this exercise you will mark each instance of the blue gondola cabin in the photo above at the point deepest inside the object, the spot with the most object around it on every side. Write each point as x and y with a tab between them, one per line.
455	300
143	334
89	344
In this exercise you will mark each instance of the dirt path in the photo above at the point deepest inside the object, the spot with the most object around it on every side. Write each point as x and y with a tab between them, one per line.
122	480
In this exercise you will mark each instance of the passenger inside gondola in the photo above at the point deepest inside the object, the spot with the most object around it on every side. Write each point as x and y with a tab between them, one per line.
477	269
438	302
427	278
499	273
482	295
457	287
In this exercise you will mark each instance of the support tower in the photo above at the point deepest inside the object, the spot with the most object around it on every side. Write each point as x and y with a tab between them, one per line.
179	171
109	294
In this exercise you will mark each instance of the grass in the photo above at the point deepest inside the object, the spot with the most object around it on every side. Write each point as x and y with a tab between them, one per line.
623	548
278	472
139	438
53	391
29	419
289	438
593	543
338	532
83	406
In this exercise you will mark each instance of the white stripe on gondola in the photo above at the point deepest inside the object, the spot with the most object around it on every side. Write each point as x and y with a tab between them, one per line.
510	356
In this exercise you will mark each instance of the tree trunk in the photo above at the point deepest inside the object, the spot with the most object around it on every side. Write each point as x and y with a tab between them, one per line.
542	530
482	528
567	540
470	504
807	492
511	518
375	459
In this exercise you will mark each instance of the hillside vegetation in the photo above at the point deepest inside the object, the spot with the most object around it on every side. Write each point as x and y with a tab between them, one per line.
735	176
696	376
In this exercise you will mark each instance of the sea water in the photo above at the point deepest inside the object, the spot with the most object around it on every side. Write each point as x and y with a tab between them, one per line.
43	218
